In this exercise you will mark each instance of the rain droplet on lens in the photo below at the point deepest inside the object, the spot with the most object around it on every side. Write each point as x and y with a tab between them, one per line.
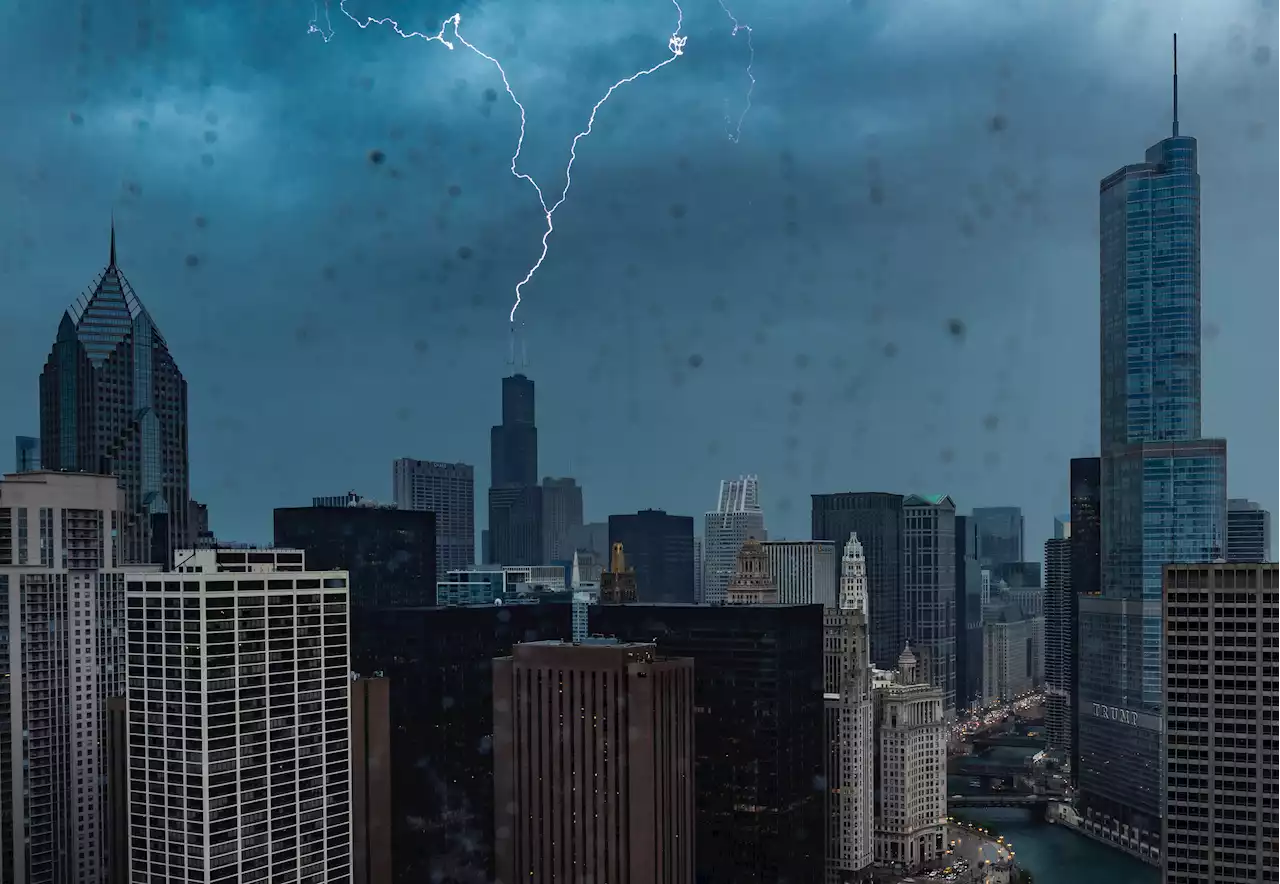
76	119
464	252
695	360
193	260
955	327
455	190
377	157
677	210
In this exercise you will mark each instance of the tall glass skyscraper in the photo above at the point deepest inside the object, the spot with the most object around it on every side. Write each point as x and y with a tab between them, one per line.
1163	488
112	401
515	497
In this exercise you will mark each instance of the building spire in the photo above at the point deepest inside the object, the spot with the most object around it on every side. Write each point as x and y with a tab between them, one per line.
112	262
1175	85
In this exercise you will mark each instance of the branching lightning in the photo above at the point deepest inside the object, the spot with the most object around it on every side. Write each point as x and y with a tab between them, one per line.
675	45
736	134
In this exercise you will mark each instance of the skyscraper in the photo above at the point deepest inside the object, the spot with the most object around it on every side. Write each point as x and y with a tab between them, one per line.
1059	657
659	547
876	518
737	516
968	613
561	518
1248	531
593	763
261	674
1001	534
515	497
26	454
112	401
1163	489
62	656
806	572
929	588
449	491
1086	573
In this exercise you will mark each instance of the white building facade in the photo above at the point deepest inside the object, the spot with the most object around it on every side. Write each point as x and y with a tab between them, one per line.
239	700
62	650
736	518
449	491
911	807
804	571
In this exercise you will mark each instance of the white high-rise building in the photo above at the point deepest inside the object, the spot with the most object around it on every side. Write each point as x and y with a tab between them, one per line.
239	701
449	491
62	653
850	727
736	518
911	806
853	577
804	571
698	567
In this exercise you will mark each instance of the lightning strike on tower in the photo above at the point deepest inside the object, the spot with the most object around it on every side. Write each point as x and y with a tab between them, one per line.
736	134
675	45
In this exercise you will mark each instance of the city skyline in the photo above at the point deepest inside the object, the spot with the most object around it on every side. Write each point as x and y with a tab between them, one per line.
385	352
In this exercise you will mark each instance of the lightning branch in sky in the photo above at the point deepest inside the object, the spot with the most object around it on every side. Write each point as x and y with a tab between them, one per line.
675	45
738	26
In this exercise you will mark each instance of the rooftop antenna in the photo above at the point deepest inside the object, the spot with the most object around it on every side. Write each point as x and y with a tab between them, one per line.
511	355
1175	85
524	354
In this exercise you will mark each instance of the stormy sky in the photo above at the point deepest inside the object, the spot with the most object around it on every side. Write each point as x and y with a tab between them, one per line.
889	282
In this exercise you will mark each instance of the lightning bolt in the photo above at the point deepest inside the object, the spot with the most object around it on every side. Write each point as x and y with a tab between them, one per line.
736	134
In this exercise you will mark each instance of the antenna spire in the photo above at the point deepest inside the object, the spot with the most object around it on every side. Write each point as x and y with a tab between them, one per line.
112	262
511	354
1175	85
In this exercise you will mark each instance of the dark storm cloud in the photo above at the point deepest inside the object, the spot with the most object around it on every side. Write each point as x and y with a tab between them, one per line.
329	235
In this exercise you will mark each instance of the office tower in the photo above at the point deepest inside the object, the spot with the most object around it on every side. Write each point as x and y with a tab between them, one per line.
112	401
449	491
1059	656
593	763
805	572
758	736
439	663
561	517
198	533
256	690
1001	534
1248	531
929	587
751	584
27	454
1220	683
58	579
371	777
877	520
699	563
1086	573
911	771
390	553
737	516
968	613
1018	575
593	537
1163	489
515	497
660	549
1011	647
850	726
1061	527
351	498
618	584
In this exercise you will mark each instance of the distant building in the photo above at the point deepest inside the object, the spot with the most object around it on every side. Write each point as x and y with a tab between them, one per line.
60	576
1008	654
660	548
752	584
911	771
618	584
198	525
112	401
699	565
877	520
1059	655
390	553
1086	572
449	491
929	585
593	537
969	606
759	818
1001	535
561	517
371	778
736	518
27	454
515	497
1248	531
570	758
242	720
805	572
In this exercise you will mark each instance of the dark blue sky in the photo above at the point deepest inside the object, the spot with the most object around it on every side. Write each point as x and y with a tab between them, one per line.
782	305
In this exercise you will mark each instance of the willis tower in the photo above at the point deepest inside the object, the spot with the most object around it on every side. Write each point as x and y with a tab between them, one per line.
515	498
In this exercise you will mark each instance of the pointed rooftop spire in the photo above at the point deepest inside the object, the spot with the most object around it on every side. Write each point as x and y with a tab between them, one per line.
112	262
1175	85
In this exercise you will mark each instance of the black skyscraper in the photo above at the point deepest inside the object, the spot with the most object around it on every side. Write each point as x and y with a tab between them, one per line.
758	735
1086	571
968	613
113	401
659	547
877	519
391	553
439	662
515	497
